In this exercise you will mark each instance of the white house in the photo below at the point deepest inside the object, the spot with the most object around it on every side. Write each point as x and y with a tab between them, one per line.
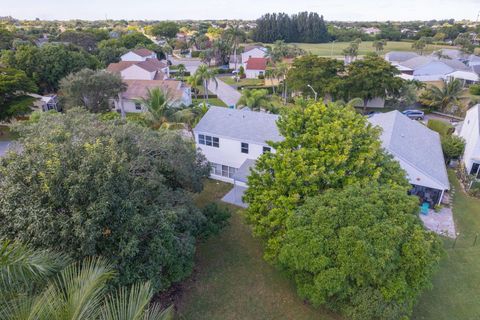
419	152
255	67
470	131
138	55
249	52
371	31
231	140
149	69
176	91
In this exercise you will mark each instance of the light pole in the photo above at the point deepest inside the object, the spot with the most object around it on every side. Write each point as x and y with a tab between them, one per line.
314	92
331	52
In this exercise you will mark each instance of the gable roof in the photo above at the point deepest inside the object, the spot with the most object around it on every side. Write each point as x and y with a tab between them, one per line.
142	52
417	149
400	56
243	125
138	89
250	48
118	67
420	61
150	65
257	64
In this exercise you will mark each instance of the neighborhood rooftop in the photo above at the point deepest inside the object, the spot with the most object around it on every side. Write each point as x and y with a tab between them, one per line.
245	125
417	148
143	52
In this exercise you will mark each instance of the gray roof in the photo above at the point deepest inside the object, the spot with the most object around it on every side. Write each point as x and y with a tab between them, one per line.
421	61
4	145
244	171
244	125
476	69
417	148
453	53
400	55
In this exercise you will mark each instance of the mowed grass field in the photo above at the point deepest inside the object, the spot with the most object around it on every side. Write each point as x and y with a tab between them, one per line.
325	49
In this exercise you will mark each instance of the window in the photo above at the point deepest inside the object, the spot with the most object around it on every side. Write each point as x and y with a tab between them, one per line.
222	170
244	147
138	106
209	140
475	170
267	149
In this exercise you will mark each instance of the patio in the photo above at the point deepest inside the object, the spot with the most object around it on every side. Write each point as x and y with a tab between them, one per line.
235	195
440	222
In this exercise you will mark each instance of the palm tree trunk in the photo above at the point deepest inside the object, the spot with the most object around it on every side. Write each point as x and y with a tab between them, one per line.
122	109
205	94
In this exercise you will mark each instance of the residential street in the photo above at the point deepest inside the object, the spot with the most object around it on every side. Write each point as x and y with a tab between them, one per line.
224	92
190	64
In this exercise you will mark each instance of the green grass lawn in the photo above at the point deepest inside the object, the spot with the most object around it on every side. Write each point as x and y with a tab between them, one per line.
232	279
325	49
456	285
243	82
213	101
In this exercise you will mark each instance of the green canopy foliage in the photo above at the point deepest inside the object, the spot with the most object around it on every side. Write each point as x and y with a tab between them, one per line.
86	187
167	29
324	146
361	250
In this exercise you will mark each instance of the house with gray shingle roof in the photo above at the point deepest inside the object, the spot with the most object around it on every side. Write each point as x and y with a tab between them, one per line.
232	140
419	152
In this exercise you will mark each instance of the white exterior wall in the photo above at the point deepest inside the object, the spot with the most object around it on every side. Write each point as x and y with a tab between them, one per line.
254	53
136	73
253	74
470	132
131	56
229	153
129	105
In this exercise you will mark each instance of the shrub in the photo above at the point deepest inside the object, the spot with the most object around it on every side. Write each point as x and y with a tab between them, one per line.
196	54
442	127
261	76
475	89
217	219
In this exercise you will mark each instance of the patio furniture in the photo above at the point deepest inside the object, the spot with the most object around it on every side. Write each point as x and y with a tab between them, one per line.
424	208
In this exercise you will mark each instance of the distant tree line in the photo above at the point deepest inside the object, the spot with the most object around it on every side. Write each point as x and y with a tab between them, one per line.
308	27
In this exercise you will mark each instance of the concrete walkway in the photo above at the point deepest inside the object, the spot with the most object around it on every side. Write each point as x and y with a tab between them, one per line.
4	147
235	197
224	92
440	222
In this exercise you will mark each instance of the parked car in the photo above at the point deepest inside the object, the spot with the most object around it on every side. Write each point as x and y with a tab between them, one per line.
414	114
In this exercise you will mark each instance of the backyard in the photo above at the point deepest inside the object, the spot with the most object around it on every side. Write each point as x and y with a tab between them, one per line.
456	285
232	281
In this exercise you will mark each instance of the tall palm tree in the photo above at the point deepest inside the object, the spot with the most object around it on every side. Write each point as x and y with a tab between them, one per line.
235	36
281	70
255	99
181	69
77	292
159	106
205	76
442	98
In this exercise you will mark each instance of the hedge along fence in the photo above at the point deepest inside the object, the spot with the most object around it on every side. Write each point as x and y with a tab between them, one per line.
443	128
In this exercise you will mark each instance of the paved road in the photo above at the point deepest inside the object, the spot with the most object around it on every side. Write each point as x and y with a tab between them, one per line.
226	93
4	147
190	64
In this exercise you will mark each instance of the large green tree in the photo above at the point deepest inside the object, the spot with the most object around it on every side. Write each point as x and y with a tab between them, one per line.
167	29
91	89
50	63
361	250
444	97
324	146
318	72
371	77
86	187
12	83
254	99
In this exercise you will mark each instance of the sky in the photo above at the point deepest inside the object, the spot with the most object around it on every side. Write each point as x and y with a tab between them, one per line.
345	10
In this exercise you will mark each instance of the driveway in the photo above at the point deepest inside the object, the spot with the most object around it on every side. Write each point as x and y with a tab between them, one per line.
224	92
190	64
4	147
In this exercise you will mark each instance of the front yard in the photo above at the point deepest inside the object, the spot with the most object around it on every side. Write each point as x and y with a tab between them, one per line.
243	82
233	281
456	285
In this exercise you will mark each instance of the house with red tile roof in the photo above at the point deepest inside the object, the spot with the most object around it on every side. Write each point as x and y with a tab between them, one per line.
255	67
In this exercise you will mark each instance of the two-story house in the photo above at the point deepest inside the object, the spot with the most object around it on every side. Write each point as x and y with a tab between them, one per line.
141	54
232	140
